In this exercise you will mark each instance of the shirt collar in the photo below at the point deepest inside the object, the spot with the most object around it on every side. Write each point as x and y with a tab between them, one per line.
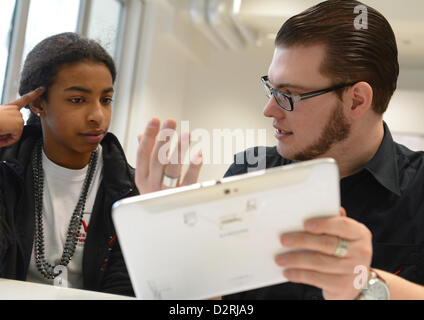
383	166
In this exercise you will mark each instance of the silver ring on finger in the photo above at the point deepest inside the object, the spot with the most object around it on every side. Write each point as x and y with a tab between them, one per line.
341	249
170	182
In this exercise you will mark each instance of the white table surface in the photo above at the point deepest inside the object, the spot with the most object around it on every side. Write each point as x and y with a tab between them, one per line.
23	290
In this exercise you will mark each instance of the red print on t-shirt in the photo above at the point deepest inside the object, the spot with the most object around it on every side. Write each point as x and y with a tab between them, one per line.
83	233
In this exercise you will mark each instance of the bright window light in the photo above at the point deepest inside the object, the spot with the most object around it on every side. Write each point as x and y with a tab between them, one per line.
6	15
46	18
236	6
105	20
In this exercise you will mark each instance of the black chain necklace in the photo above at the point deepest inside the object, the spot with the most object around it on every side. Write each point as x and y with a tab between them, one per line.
46	269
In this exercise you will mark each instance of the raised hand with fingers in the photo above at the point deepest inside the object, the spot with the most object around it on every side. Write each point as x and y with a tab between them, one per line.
11	121
156	167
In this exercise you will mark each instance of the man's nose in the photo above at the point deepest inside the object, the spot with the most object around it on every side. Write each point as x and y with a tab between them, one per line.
273	110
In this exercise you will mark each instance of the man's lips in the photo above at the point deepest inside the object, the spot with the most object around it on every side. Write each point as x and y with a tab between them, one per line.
280	130
281	133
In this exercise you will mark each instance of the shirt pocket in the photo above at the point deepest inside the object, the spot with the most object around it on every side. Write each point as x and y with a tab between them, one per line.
404	260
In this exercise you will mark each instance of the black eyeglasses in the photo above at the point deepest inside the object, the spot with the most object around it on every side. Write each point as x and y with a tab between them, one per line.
287	101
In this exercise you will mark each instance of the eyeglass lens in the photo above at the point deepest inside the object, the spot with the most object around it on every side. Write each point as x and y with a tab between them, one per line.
282	100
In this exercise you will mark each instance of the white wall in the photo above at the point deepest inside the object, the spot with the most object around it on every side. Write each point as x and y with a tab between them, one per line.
405	113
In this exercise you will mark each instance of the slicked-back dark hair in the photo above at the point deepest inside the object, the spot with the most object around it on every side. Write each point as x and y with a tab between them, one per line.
45	59
352	54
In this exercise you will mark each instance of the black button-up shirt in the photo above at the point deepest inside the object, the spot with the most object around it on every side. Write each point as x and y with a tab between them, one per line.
387	195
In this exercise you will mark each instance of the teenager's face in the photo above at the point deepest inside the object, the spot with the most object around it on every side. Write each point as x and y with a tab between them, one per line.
316	125
76	114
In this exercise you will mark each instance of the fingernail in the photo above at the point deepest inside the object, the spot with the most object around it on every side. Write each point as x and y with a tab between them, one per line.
281	260
287	240
170	123
310	225
152	123
287	273
197	158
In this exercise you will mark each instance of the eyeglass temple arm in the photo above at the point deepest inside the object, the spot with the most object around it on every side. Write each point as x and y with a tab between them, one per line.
318	92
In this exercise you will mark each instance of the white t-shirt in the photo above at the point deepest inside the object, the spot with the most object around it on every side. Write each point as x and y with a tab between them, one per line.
62	189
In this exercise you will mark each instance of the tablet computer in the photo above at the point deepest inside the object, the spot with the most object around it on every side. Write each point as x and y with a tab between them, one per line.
220	237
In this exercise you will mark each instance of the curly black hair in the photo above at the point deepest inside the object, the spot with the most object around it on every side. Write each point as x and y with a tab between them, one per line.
44	61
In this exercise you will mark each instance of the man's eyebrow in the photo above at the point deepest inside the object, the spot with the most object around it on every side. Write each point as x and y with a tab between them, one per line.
291	86
77	88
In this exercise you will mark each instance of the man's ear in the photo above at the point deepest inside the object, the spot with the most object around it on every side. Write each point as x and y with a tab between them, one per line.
360	99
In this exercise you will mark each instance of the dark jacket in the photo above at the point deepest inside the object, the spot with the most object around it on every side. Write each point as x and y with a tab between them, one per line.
103	265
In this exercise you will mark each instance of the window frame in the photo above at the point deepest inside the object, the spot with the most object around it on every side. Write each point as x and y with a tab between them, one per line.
17	41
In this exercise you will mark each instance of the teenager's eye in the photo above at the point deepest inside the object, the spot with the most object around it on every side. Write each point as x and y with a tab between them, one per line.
76	100
107	100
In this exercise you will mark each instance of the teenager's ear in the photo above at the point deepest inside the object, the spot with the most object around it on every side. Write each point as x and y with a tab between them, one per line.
37	106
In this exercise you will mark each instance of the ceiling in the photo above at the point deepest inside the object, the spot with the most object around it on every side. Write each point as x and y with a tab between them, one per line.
265	18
